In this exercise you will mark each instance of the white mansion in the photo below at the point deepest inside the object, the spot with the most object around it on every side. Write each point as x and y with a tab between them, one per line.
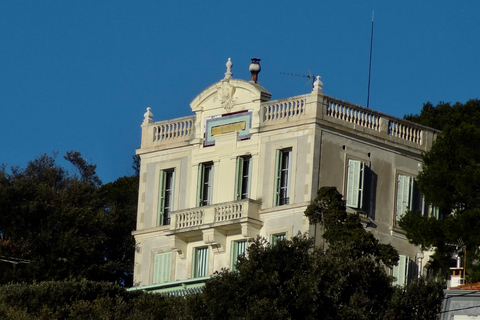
244	165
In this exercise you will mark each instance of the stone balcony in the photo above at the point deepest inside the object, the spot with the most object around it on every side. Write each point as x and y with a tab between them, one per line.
212	223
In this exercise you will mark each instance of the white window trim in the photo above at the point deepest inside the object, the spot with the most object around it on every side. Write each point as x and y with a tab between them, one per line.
239	174
161	194
201	182
278	175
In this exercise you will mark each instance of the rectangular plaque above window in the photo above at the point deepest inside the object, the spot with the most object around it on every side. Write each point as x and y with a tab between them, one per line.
240	122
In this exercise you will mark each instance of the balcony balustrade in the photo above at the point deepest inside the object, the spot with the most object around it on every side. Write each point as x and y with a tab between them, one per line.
212	223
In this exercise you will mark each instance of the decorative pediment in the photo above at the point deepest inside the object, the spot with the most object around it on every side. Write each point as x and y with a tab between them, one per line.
230	95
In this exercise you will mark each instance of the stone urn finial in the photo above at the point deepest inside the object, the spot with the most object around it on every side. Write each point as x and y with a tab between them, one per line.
148	116
229	74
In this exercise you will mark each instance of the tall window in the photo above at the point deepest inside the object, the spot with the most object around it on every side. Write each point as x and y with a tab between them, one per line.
200	262
282	177
242	179
205	184
355	183
408	196
165	196
239	248
404	271
161	267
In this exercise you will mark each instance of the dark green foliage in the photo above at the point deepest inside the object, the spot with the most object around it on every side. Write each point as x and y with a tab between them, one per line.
67	226
295	280
419	300
328	209
446	115
92	300
450	180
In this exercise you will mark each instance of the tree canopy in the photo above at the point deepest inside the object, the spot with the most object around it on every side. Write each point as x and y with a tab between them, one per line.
450	182
57	225
329	210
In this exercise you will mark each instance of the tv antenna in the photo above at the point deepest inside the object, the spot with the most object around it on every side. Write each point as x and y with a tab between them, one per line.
370	64
311	77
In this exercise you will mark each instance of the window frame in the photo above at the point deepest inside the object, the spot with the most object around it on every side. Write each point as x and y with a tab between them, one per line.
414	199
205	186
283	175
200	262
243	175
355	183
279	236
165	195
236	247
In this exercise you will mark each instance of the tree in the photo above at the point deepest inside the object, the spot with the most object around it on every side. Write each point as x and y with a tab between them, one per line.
450	182
296	280
328	209
56	225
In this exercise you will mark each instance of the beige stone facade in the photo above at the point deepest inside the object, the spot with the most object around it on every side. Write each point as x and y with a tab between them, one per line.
244	165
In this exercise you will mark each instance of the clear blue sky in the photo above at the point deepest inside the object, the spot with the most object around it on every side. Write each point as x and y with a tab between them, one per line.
78	75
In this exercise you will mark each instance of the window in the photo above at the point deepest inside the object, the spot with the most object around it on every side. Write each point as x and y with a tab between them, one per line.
277	237
239	248
408	196
205	183
282	177
242	179
200	262
165	196
161	267
404	271
355	183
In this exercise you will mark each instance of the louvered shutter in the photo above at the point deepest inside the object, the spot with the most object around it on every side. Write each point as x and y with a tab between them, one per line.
403	195
278	176
400	272
354	183
161	197
239	178
162	267
201	172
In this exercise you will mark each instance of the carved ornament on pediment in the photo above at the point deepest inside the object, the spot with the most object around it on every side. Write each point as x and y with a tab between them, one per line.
225	92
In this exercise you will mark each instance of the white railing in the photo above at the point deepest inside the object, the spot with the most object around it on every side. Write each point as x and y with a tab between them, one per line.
174	129
189	218
228	212
220	214
284	108
404	131
351	113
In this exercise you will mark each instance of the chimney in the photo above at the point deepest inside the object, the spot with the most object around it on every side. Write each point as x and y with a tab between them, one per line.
255	69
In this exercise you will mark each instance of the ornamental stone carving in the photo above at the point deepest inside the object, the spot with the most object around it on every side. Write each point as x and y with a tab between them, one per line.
226	92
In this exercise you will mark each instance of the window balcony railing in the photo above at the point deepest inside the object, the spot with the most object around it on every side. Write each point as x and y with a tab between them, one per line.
212	223
217	215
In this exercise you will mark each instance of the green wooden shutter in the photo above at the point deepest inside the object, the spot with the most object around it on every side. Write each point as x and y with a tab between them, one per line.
161	197
400	271
201	172
354	180
403	195
239	178
278	176
238	248
162	267
210	184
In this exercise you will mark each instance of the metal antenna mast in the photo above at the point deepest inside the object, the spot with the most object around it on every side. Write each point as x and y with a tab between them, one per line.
310	76
370	65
